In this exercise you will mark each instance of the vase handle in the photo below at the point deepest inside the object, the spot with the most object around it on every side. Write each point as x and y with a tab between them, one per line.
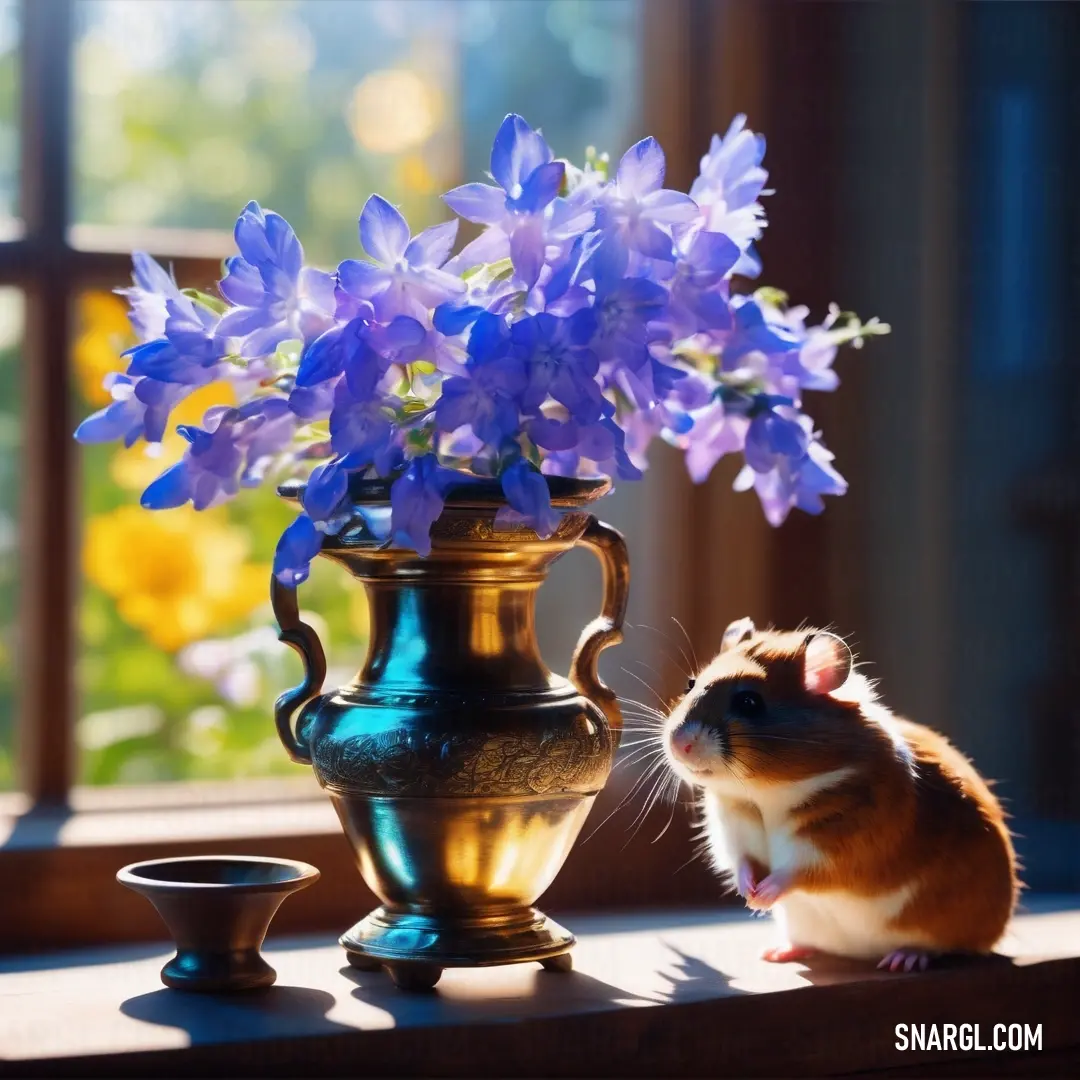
608	545
300	636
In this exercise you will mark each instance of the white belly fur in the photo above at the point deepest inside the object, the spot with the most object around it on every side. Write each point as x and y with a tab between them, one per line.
844	924
836	922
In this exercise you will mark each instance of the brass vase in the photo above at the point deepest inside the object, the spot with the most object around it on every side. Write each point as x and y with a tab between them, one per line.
461	768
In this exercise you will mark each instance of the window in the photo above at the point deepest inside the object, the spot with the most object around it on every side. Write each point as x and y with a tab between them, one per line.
146	126
182	111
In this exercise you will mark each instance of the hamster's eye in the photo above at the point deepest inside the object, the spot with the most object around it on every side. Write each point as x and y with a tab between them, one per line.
747	703
690	684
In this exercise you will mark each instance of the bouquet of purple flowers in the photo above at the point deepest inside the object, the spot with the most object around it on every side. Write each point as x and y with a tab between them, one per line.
592	313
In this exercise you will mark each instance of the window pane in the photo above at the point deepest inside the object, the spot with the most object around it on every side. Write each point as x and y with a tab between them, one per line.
10	436
179	666
9	111
186	109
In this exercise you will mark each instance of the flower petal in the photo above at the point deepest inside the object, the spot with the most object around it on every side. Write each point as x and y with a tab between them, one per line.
299	544
172	488
149	275
516	152
451	320
670	207
432	247
362	279
651	240
415	502
242	321
477	202
641	170
539	189
384	233
241	284
713	252
326	487
527	492
267	241
490	246
322	359
527	250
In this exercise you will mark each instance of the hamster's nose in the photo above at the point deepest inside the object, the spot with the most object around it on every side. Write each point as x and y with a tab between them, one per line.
684	740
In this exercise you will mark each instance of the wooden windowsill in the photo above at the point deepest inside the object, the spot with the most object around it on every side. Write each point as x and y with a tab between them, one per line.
663	993
58	864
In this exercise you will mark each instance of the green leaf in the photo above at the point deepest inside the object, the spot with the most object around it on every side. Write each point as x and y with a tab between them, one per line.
213	303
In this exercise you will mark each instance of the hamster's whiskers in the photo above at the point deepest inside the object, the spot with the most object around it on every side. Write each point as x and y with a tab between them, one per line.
638	784
697	666
649	710
689	669
648	686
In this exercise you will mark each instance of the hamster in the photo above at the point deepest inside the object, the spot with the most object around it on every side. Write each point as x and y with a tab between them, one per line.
866	835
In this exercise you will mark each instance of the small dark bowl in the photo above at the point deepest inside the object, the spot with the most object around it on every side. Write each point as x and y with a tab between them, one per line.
217	909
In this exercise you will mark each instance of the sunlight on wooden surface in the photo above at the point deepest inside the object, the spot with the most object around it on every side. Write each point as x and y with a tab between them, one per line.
112	1002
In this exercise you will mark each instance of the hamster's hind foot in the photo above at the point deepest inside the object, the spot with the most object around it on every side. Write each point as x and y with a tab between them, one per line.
788	954
906	960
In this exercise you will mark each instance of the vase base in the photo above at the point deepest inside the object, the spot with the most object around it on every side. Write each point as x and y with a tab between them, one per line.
405	940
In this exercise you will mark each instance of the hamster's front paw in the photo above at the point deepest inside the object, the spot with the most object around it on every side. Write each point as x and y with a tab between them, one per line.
746	877
766	893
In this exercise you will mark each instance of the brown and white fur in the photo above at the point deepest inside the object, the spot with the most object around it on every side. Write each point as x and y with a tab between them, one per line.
866	835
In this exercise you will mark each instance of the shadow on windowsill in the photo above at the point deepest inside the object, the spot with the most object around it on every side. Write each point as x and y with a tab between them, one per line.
274	1012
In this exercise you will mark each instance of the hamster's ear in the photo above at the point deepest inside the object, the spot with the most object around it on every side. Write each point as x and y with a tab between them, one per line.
826	663
739	631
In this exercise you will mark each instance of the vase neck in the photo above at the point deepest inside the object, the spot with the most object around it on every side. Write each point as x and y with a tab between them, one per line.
454	634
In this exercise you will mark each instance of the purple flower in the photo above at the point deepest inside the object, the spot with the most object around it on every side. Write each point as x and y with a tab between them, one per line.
325	491
716	432
728	187
810	367
270	424
277	298
405	277
488	397
140	410
416	500
363	350
189	349
699	288
775	433
299	544
560	362
624	310
602	444
637	212
208	473
313	402
752	333
795	481
362	429
529	180
527	493
123	419
152	287
589	317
